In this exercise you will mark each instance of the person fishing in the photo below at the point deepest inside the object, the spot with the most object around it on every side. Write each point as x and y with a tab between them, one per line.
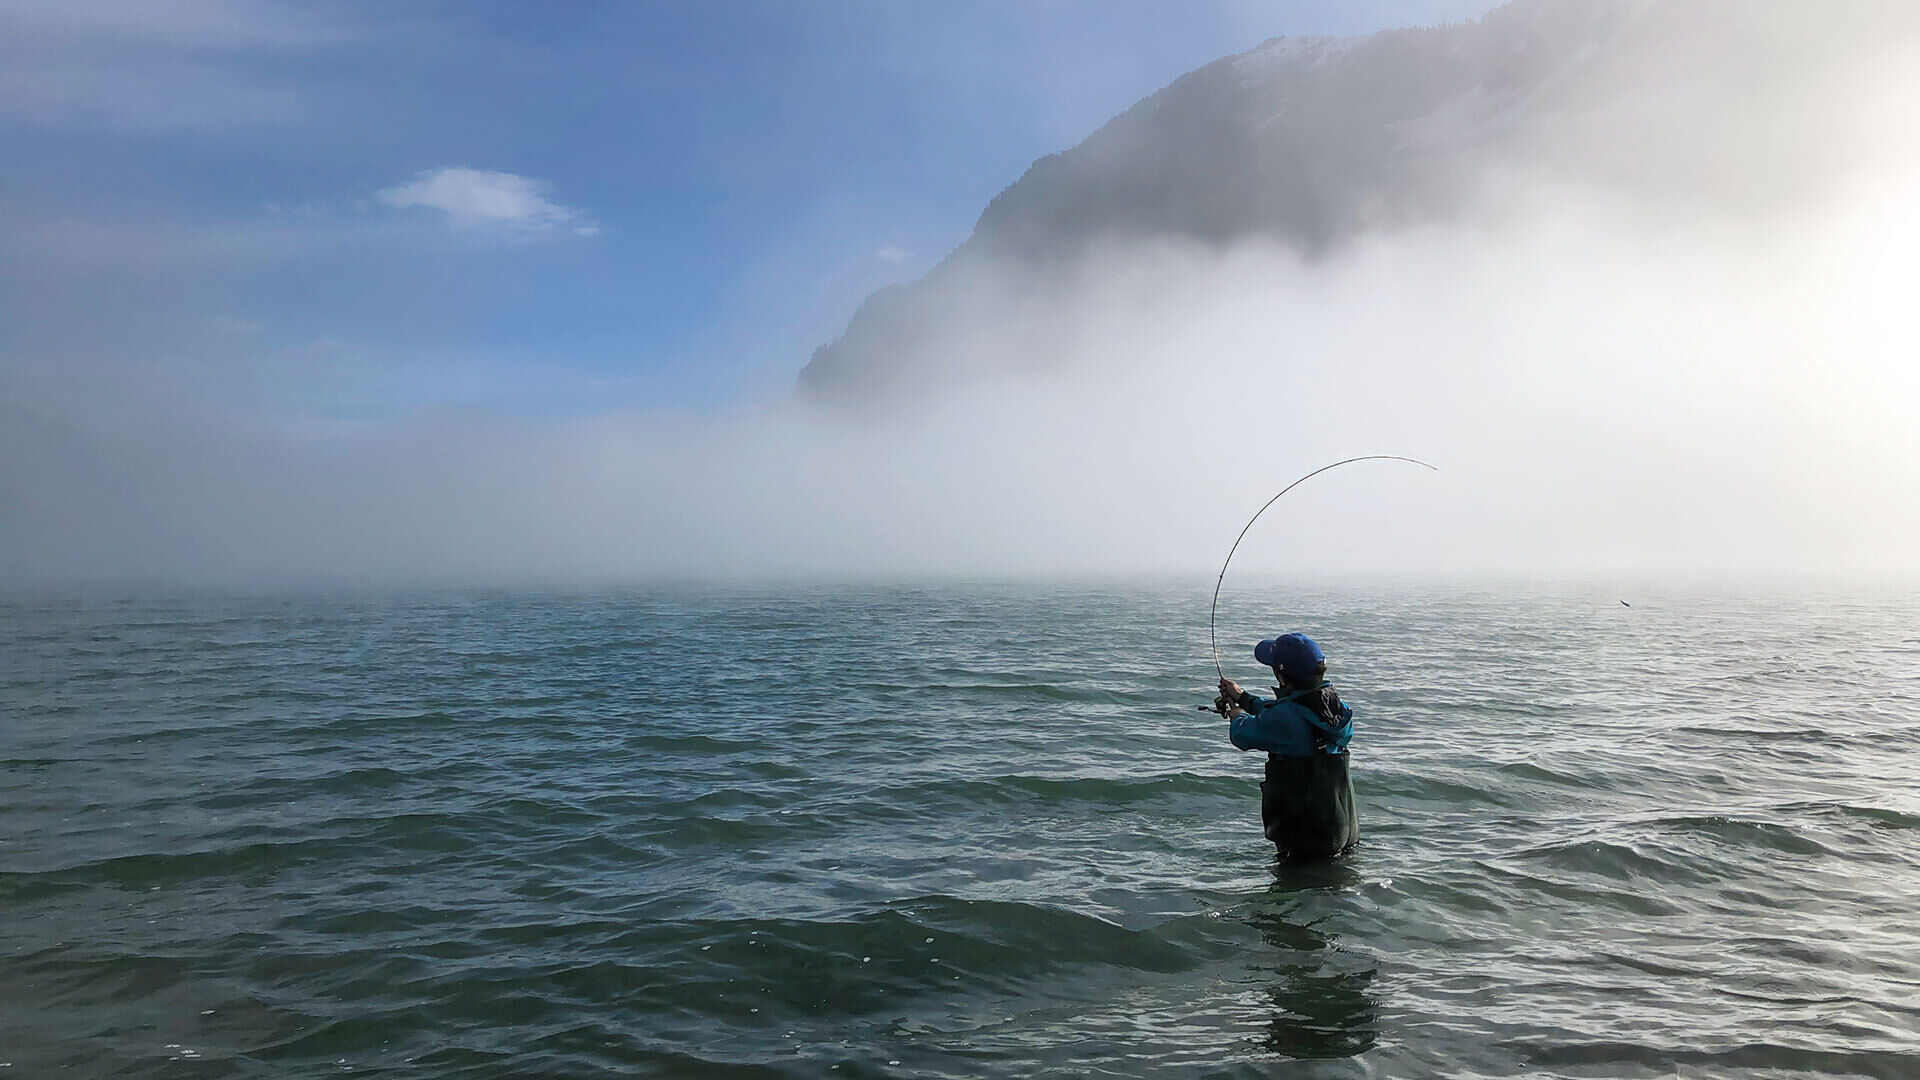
1306	800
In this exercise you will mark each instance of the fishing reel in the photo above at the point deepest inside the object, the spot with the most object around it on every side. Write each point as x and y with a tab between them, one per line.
1221	706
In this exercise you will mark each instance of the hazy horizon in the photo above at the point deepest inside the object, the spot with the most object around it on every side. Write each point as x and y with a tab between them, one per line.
1661	378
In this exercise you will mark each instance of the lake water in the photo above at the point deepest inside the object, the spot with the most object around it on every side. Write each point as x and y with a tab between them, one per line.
953	831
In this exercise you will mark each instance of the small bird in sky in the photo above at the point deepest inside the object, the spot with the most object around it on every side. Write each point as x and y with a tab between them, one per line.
1623	603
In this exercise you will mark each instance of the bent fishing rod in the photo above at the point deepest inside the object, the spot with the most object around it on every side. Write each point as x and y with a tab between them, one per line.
1213	612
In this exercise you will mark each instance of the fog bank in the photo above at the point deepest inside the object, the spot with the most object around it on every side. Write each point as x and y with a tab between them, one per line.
1603	397
1612	386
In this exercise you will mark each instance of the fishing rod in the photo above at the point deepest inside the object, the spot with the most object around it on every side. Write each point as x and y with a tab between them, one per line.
1213	612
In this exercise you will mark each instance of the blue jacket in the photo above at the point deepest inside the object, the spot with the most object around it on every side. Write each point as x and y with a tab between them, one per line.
1288	727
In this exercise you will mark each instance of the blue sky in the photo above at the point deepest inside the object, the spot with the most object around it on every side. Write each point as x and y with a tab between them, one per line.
357	211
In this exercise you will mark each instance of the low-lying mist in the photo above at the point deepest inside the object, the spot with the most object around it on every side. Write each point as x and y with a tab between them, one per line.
1609	389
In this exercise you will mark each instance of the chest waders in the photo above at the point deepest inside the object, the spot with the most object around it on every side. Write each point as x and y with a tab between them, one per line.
1306	805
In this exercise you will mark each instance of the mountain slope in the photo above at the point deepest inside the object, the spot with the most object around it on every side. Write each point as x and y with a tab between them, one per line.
1700	105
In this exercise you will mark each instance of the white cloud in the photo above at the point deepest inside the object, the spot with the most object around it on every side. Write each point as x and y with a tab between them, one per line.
480	199
893	254
195	24
191	65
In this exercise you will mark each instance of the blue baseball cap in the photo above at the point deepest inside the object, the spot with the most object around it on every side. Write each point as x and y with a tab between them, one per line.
1294	653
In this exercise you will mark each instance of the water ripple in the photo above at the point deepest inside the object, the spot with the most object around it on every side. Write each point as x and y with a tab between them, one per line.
936	831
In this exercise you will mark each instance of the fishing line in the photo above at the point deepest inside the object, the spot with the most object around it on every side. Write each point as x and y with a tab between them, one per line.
1214	611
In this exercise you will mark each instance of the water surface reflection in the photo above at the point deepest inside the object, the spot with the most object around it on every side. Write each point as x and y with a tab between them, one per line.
1325	1005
